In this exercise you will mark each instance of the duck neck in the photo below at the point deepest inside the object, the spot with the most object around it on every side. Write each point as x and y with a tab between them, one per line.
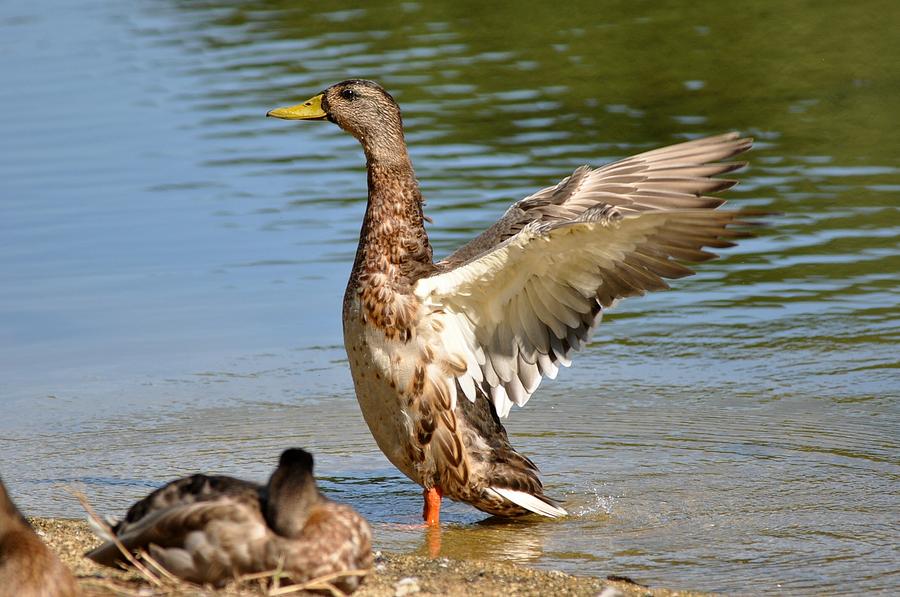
287	507
393	241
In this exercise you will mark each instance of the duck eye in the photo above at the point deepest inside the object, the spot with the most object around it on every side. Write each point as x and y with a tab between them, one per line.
348	94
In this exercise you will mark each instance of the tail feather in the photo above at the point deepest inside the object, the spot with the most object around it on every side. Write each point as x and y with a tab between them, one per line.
538	505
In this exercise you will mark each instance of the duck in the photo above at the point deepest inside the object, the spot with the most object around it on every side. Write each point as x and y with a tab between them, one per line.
209	529
28	568
440	351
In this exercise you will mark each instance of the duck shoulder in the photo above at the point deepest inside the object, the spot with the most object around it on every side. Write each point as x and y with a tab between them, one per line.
192	489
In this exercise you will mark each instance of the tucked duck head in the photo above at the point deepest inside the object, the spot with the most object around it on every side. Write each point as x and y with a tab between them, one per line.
291	492
360	107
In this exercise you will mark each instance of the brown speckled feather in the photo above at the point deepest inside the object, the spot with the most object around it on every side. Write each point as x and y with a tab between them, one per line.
393	252
28	568
192	489
210	529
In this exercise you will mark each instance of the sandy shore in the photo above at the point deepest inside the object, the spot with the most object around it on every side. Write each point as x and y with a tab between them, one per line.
394	574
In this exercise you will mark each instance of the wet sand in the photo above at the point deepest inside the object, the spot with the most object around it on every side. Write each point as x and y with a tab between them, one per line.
394	574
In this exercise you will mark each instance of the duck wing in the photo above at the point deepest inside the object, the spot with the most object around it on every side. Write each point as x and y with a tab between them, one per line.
676	176
207	541
190	490
517	301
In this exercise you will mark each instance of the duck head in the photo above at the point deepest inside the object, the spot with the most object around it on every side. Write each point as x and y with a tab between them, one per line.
363	109
291	491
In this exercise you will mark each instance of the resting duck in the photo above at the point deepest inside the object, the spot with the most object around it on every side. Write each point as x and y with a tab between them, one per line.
210	529
439	352
27	567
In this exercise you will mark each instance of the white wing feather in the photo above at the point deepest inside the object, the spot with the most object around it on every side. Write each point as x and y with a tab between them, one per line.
517	301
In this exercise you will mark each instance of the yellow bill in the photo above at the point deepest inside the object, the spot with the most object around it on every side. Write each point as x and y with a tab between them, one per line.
311	109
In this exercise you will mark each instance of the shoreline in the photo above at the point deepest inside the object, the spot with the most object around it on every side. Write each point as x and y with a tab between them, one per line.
391	577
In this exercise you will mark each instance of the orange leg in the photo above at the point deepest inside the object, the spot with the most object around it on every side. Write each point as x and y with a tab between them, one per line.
432	511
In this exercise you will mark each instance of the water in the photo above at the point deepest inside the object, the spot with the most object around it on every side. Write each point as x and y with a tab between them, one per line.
172	265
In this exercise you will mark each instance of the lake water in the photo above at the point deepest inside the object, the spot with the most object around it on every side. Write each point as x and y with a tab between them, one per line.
172	264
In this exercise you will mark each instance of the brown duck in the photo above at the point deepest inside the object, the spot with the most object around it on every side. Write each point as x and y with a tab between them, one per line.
27	567
439	352
211	529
